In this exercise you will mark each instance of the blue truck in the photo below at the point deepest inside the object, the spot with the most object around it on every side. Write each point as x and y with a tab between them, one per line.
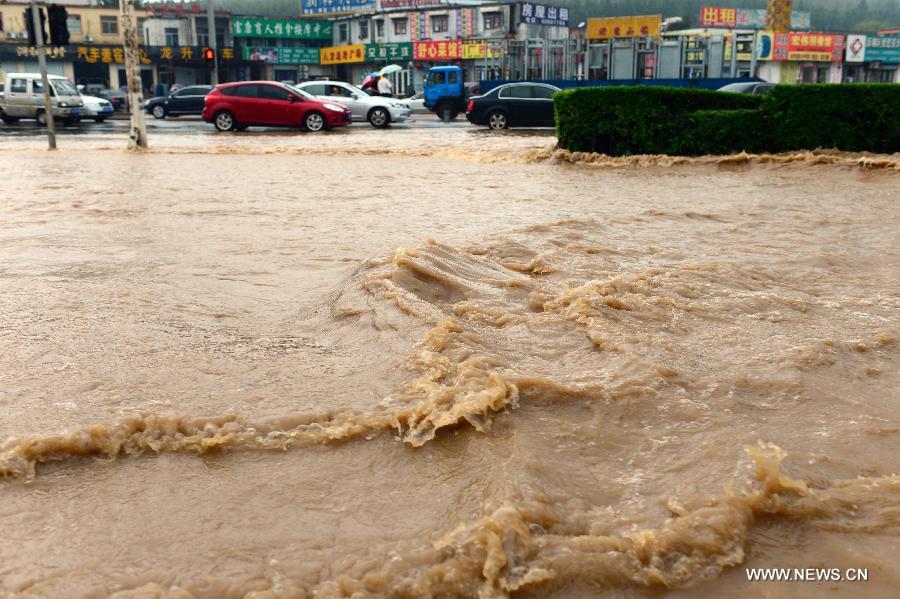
445	92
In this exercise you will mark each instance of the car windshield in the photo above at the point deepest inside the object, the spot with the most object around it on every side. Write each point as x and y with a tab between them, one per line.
63	87
305	94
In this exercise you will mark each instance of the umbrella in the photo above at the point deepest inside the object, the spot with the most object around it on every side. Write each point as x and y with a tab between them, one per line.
391	68
369	80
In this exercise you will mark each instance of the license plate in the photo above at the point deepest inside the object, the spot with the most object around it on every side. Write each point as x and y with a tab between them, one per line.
106	109
76	111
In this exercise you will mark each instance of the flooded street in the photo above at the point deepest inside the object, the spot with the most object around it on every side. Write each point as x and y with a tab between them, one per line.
442	362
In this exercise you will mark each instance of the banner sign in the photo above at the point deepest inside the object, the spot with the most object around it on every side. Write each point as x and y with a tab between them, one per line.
449	50
747	18
606	28
334	7
539	14
342	54
389	52
277	28
856	48
883	48
819	47
282	55
386	4
116	55
474	50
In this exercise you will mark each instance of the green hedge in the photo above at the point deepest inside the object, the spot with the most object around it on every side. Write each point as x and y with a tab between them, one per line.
852	117
677	121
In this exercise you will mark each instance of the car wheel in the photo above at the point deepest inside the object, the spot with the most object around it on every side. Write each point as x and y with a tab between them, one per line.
9	120
159	111
497	120
314	121
224	121
379	118
99	119
41	118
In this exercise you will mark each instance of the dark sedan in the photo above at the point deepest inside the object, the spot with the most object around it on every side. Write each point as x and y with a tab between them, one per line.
514	105
187	100
116	97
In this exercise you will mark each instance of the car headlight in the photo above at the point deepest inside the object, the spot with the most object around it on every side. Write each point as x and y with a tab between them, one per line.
62	104
333	107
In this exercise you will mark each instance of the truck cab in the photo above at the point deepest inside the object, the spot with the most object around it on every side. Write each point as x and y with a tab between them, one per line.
445	92
23	98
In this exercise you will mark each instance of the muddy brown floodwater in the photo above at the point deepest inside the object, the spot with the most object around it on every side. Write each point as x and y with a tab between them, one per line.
442	363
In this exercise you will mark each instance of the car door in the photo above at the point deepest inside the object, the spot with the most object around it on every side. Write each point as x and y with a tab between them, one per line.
275	105
17	97
194	101
542	105
515	100
358	105
248	105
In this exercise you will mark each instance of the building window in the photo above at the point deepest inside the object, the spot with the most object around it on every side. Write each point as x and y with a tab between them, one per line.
493	20
73	23
440	24
379	28
171	36
399	26
363	30
342	32
109	25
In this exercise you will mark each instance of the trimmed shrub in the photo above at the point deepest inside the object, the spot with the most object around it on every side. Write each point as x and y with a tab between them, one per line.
721	132
853	117
634	119
676	121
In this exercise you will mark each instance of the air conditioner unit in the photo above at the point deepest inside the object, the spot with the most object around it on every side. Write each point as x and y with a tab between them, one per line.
10	35
23	35
89	39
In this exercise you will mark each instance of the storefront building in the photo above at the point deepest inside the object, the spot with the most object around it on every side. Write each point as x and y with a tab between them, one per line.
873	59
800	57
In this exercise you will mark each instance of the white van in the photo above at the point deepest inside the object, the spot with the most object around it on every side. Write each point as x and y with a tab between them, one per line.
23	98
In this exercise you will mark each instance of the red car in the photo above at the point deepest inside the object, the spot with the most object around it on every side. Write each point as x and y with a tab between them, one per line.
236	106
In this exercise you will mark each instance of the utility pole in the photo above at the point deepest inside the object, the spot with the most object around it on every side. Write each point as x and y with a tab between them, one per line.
211	26
42	62
137	136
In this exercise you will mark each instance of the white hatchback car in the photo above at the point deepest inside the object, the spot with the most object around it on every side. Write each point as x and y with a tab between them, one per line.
96	108
378	110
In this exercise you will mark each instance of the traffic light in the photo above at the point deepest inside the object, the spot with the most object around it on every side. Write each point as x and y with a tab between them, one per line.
29	27
59	27
209	55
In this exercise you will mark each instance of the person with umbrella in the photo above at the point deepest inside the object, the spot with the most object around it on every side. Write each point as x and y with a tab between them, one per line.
385	87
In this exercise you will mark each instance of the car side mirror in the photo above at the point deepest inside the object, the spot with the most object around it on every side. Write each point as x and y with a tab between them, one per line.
293	98
354	96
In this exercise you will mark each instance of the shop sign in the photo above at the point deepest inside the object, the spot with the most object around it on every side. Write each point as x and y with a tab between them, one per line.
606	28
334	7
747	18
385	4
92	54
817	47
448	50
539	14
279	28
56	52
389	52
476	50
282	55
883	48
342	54
856	48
